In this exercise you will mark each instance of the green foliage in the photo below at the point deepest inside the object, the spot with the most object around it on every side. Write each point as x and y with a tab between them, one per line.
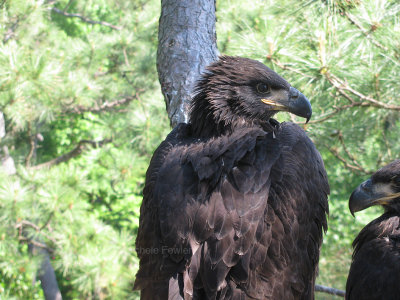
58	72
54	69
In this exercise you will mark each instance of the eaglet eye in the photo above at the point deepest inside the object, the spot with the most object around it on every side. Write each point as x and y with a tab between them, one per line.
263	88
396	180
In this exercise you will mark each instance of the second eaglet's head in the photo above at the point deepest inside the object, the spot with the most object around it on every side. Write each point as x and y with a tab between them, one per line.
236	88
382	188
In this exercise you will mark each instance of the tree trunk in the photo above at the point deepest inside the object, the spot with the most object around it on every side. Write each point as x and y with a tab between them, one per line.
46	274
187	44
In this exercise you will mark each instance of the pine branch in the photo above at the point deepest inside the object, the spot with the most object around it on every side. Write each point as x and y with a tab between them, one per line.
27	223
336	110
47	221
24	223
347	164
286	67
11	31
84	19
68	4
31	151
32	143
343	86
388	145
329	290
71	154
106	106
351	156
35	243
36	247
365	32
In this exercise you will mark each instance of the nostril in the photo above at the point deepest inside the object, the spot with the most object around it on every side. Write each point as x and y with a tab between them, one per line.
294	94
366	184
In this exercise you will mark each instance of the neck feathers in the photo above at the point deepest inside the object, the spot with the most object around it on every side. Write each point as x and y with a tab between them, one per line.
204	119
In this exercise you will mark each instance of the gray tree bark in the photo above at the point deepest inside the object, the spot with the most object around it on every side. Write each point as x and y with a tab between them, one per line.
187	44
46	274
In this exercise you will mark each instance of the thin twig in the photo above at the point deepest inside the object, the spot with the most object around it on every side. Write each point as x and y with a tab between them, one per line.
329	290
47	221
84	19
37	244
346	96
33	146
11	31
68	4
377	89
25	223
286	67
106	106
344	86
348	165
351	156
388	145
336	110
71	154
365	32
126	57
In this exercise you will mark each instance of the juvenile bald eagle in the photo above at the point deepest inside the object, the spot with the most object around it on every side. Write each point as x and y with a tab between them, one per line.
375	269
235	203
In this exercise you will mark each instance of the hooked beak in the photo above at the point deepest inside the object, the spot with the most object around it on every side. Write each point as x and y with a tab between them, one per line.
296	103
366	195
362	197
299	104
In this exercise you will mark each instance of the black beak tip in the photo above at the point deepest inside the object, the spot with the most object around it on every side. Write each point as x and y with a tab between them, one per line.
308	118
299	104
353	201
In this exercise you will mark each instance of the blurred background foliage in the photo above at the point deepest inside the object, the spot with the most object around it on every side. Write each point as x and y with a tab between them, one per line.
84	112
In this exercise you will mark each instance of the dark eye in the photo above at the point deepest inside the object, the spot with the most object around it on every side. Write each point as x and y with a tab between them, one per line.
396	180
263	88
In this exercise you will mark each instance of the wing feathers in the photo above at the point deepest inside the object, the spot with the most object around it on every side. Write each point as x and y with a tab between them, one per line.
232	211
